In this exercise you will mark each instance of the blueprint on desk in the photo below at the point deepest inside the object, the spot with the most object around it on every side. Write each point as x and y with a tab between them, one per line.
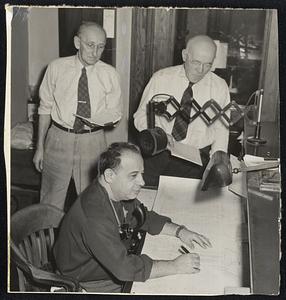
217	214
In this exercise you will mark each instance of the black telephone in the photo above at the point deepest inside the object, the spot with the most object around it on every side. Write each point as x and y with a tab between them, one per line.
139	214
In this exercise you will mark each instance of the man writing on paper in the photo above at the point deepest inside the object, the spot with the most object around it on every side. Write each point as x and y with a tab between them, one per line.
77	85
94	241
191	80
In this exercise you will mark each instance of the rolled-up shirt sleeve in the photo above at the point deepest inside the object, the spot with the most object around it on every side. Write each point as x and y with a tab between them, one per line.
46	91
113	107
221	128
103	241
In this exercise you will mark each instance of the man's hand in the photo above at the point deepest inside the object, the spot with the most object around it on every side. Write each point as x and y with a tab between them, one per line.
189	237
38	159
188	263
170	141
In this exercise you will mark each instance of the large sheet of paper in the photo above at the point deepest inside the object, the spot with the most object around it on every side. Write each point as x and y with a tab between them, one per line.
186	152
214	213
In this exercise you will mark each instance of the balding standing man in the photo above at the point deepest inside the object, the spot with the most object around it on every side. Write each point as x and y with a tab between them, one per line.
76	85
193	79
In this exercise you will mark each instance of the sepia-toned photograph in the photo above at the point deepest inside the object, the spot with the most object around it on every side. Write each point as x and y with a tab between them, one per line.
144	150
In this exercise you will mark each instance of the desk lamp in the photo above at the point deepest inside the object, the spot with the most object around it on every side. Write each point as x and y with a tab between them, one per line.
256	140
153	140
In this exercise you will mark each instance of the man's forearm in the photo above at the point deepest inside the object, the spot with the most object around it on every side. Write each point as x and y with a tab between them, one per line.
170	229
162	268
44	123
183	264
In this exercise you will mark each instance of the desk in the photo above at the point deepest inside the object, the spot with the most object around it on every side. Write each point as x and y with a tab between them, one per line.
264	239
263	219
217	214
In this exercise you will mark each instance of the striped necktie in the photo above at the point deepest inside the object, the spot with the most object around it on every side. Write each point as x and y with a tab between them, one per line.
83	104
180	127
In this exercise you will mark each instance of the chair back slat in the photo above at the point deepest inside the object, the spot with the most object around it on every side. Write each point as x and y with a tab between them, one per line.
40	216
43	243
36	254
22	249
22	280
51	238
28	249
32	237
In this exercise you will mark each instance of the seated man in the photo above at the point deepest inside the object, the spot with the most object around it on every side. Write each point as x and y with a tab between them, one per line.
92	245
193	80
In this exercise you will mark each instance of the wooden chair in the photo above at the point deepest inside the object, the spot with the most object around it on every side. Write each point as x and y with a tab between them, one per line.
33	232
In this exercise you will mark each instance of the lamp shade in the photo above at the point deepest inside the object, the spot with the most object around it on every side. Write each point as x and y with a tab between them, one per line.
221	55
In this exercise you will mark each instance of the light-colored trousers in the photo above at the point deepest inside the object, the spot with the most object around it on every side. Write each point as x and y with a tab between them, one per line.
68	155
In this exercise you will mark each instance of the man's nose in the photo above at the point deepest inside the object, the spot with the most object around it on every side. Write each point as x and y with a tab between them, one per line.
200	68
141	181
95	50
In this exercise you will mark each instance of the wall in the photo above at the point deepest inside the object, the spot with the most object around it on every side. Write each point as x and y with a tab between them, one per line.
43	41
34	44
19	66
195	17
152	49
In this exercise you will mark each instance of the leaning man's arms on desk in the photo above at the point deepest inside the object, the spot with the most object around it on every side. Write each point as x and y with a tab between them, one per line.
183	264
185	235
158	224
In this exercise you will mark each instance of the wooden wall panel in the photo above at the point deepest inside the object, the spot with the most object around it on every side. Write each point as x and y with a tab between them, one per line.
269	76
152	49
141	62
164	31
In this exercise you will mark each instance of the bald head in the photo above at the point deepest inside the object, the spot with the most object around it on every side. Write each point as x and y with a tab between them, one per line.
86	26
198	57
202	42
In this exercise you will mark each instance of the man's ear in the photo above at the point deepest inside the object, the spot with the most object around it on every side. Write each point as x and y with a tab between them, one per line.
184	54
109	175
76	41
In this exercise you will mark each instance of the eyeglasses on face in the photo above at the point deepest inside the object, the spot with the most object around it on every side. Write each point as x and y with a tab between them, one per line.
198	64
92	45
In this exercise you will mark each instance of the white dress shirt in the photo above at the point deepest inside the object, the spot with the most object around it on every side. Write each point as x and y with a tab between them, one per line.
59	89
173	81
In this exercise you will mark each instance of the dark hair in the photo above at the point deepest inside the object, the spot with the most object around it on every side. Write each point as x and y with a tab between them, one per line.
111	158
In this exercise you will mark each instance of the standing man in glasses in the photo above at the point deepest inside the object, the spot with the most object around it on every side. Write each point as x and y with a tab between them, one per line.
80	85
191	80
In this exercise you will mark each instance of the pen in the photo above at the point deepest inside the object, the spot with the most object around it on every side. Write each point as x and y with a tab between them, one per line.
185	250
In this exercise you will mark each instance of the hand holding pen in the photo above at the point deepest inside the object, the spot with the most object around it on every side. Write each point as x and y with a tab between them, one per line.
188	262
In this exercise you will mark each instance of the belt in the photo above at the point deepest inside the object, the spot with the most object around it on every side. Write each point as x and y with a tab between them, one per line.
81	131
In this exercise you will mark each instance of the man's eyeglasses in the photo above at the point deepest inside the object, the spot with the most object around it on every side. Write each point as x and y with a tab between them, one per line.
198	64
92	46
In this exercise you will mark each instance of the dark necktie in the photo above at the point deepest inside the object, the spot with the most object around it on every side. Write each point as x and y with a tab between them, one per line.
83	104
180	127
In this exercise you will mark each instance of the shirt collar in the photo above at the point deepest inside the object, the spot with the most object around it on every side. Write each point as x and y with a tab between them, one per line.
79	65
182	74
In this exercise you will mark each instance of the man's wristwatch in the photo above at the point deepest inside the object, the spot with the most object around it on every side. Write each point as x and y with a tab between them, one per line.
179	229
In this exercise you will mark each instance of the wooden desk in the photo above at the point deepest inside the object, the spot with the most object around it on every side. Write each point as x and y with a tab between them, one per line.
264	239
263	218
